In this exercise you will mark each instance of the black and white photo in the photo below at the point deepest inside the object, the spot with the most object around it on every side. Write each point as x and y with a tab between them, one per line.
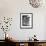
26	20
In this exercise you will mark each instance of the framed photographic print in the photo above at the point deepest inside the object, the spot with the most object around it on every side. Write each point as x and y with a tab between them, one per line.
26	20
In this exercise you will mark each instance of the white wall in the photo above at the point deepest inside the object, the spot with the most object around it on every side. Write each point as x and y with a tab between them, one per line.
13	8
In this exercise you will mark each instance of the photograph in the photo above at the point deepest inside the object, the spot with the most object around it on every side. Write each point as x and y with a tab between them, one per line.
26	20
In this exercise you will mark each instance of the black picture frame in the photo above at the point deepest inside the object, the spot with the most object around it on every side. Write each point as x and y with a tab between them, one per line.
26	20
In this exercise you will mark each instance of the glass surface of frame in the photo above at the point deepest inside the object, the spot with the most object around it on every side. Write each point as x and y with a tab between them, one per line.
26	20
